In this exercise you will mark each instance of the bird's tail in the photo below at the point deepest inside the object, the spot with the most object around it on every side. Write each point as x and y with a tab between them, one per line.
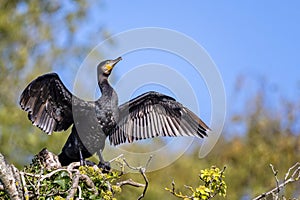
64	159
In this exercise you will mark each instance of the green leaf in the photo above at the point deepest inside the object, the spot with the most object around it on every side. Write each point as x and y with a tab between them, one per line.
61	182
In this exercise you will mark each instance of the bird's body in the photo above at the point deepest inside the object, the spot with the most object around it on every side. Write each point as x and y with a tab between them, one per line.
52	107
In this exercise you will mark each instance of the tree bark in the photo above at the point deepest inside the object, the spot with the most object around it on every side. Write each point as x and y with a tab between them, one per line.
10	178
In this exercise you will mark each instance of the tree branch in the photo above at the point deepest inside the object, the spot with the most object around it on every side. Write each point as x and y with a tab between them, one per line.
292	175
130	182
142	170
74	186
180	195
9	176
275	172
27	184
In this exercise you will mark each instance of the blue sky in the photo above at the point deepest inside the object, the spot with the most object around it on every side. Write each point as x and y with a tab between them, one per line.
251	39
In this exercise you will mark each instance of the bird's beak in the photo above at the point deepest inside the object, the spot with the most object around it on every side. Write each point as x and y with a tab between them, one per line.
115	61
111	65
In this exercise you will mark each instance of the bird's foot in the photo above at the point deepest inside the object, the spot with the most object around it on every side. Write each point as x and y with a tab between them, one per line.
105	166
89	163
86	163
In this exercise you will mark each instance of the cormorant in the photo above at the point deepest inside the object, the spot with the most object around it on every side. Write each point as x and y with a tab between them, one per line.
51	107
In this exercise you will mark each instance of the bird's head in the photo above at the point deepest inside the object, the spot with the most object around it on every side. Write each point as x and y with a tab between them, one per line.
105	67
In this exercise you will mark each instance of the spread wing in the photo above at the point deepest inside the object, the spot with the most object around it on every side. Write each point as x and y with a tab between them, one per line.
48	103
153	114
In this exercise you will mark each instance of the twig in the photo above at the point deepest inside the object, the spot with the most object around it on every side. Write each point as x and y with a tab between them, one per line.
297	171
148	162
223	170
22	182
26	194
290	169
54	172
142	170
275	172
89	183
75	183
188	187
173	187
74	186
180	195
112	160
42	177
29	183
71	166
130	182
79	193
137	168
295	176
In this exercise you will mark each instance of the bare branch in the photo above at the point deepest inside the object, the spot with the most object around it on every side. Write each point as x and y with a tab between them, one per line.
295	176
26	194
130	182
54	172
79	194
8	175
73	165
116	158
74	186
180	195
290	169
21	183
89	183
137	168
148	162
142	170
223	170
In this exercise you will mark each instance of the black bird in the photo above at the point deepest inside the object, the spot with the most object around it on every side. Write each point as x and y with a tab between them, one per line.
51	107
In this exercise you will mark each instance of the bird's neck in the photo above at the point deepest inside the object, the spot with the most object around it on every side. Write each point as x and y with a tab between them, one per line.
105	87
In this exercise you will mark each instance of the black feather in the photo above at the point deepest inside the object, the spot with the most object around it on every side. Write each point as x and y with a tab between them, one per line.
52	107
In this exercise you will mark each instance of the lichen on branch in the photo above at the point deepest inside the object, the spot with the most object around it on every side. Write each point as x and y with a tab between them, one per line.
45	177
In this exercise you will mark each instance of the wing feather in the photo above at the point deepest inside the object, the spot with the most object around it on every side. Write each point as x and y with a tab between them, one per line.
154	125
48	103
153	114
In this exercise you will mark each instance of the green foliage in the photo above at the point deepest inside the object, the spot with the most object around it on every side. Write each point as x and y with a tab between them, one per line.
102	181
4	195
37	36
213	184
59	183
267	136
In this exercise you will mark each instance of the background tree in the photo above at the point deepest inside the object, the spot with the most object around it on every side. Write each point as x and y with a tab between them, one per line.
36	37
268	136
39	36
